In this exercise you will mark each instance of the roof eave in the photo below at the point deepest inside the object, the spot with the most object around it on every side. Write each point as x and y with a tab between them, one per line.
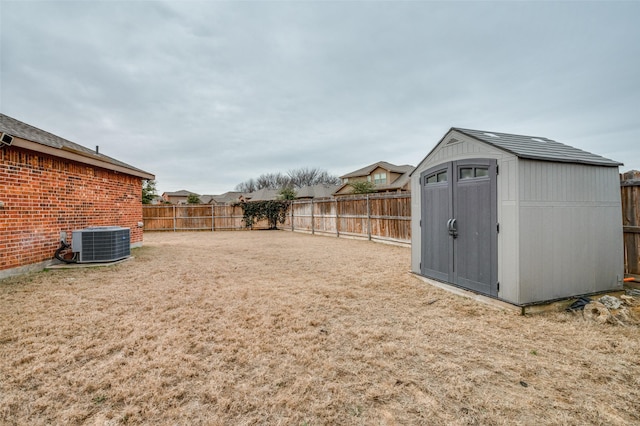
567	161
80	157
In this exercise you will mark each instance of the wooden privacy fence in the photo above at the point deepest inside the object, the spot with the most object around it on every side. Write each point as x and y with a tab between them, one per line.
630	192
372	216
192	217
385	217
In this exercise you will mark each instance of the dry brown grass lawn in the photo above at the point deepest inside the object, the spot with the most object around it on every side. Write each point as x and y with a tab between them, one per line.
273	328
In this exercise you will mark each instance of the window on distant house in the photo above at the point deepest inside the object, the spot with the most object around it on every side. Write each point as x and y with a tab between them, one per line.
380	178
345	180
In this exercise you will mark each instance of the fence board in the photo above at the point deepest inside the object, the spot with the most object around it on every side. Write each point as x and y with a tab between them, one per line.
324	217
193	218
158	218
227	218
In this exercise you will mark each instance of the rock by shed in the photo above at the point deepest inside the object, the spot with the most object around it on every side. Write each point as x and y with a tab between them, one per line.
523	219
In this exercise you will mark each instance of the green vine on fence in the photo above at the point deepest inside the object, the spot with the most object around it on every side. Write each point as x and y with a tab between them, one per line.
274	211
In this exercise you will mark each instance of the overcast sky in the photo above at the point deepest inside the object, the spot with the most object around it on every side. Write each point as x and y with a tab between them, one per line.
206	95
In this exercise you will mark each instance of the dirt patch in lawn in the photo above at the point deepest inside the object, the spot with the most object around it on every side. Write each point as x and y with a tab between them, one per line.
271	327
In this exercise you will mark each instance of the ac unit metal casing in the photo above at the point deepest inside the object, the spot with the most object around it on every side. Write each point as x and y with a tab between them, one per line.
101	244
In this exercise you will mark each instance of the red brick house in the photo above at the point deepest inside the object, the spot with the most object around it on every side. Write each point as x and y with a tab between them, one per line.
50	186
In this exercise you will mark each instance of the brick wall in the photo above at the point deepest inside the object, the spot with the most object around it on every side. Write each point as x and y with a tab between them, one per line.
41	195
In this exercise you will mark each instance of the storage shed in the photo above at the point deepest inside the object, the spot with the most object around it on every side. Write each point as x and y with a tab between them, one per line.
519	218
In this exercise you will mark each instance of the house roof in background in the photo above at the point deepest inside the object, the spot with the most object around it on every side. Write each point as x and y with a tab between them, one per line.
313	191
48	143
320	190
262	195
226	198
365	171
181	193
537	148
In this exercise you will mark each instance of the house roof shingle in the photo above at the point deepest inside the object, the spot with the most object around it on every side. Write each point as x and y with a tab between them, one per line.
263	194
320	190
181	193
226	198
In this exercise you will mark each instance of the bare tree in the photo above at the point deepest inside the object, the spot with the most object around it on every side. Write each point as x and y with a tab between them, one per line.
295	178
247	186
273	181
311	176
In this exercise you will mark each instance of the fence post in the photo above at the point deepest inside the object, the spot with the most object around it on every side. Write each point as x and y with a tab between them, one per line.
368	218
213	218
291	216
312	221
174	218
337	220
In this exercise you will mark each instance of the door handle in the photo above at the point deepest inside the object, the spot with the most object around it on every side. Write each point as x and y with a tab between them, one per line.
452	228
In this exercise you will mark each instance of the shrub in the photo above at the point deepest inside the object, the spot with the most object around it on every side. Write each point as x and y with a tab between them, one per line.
275	211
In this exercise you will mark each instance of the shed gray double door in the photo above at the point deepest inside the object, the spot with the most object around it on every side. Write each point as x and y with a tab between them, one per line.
459	224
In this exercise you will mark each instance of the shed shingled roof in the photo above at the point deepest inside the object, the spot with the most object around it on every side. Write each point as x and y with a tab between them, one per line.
27	132
537	148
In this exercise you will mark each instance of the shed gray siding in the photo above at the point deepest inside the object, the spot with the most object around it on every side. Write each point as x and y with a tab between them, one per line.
560	221
570	230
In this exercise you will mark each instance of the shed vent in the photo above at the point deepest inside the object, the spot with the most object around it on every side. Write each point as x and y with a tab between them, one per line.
101	244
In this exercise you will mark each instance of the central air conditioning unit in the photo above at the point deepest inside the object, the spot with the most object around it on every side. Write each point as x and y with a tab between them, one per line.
101	244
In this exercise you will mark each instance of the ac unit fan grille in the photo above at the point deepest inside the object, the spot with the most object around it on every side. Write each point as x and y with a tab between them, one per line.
103	244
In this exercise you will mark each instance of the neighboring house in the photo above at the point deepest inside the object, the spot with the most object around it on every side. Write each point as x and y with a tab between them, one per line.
229	197
306	192
50	186
320	190
157	199
263	194
178	197
630	178
385	176
207	199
